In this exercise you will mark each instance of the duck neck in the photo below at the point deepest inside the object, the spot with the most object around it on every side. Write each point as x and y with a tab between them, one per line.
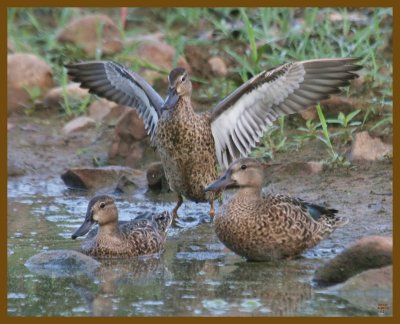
110	229
184	105
249	192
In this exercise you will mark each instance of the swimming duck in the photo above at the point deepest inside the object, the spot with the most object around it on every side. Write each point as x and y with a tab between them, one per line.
141	236
191	144
261	226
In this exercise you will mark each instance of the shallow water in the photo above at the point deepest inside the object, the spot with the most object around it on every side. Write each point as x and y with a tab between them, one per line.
195	275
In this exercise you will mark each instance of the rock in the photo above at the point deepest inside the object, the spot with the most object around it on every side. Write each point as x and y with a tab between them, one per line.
330	107
218	66
359	85
125	153
161	54
54	97
130	126
154	37
106	111
78	124
367	253
368	148
130	183
198	57
127	146
25	71
309	113
156	179
315	167
369	290
100	108
296	168
106	177
84	31
62	263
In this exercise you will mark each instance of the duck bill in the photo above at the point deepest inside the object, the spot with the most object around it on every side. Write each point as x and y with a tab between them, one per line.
171	99
84	228
221	183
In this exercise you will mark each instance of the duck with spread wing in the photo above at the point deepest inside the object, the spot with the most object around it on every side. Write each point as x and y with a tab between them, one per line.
191	144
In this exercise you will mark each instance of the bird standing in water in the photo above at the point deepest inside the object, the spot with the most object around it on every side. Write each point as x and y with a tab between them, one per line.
191	144
143	235
264	227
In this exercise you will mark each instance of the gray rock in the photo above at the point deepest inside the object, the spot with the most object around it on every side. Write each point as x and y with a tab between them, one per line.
103	110
83	32
369	148
156	177
367	253
78	124
218	66
129	140
26	71
55	96
62	263
370	290
109	177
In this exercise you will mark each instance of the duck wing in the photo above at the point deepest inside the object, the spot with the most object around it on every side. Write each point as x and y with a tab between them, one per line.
239	120
114	82
307	211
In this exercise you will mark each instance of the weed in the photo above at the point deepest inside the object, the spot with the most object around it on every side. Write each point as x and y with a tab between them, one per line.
34	95
271	36
274	140
308	133
348	125
72	106
384	123
335	157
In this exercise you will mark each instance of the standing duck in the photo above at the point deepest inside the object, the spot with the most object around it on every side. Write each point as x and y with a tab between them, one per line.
190	144
264	227
141	236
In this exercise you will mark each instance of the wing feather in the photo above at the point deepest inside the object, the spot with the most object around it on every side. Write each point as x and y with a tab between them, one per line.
114	82
239	120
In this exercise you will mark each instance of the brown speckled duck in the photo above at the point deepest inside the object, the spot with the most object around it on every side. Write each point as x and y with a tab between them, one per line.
190	144
140	236
261	226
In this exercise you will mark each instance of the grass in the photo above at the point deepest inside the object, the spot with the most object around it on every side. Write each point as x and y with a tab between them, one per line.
250	40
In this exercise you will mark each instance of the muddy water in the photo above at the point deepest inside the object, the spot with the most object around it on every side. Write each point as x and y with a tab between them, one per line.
195	276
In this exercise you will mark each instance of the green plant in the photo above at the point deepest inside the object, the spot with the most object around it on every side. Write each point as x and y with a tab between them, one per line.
274	140
34	95
348	125
308	133
385	122
249	65
335	157
72	106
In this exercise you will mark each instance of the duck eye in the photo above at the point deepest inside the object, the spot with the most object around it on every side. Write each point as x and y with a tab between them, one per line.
183	78
102	205
243	167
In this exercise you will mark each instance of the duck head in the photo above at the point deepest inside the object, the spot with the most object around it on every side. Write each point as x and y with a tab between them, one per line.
179	85
101	210
244	172
163	221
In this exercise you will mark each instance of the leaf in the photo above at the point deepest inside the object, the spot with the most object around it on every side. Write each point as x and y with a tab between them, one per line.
250	35
342	118
352	114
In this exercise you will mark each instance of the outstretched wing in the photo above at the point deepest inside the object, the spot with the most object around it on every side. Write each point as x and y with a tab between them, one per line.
239	121
114	82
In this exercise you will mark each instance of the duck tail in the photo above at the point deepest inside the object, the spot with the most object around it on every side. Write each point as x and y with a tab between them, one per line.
335	220
327	215
341	221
